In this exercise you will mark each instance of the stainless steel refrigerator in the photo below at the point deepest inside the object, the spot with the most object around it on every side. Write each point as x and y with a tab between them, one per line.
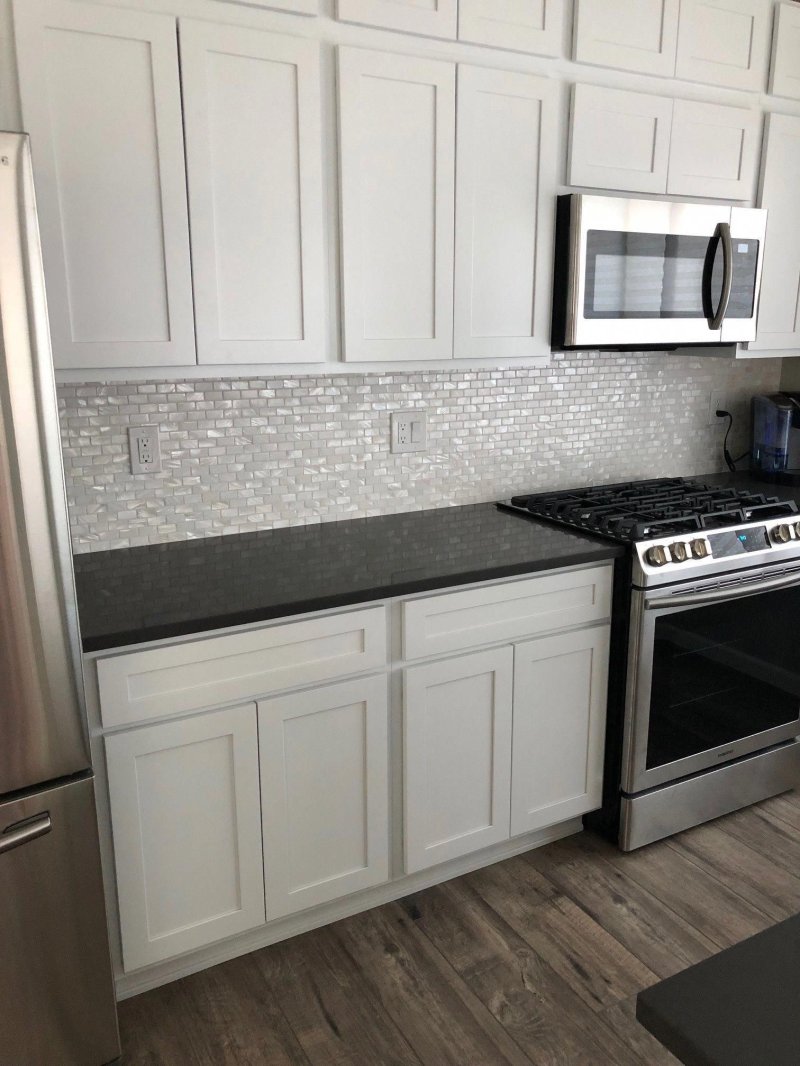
56	993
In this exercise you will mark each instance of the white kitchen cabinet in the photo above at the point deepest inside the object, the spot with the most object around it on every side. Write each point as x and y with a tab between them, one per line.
713	150
779	305
431	18
619	140
324	793
560	691
187	834
505	184
101	100
457	756
784	77
637	35
253	159
397	131
725	42
296	7
535	26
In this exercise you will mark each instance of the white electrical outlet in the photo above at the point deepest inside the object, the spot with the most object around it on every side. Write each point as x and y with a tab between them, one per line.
717	401
409	431
145	450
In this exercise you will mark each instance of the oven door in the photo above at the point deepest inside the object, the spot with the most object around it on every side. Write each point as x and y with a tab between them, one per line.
713	674
660	273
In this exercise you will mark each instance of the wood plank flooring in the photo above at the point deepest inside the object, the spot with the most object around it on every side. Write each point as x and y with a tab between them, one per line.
535	961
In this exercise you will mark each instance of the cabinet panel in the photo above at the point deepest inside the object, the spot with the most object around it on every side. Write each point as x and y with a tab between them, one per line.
296	7
397	129
535	26
560	692
505	182
724	42
432	18
253	157
619	139
784	77
101	100
638	35
186	822
325	793
713	150
779	305
457	731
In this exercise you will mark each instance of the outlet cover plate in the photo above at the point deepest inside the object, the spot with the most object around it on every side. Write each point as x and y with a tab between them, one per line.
409	431
145	449
717	400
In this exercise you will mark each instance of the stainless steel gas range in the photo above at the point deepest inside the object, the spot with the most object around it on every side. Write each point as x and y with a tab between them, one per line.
704	700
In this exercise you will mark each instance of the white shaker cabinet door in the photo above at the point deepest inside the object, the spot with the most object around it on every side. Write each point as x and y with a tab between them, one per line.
296	7
185	817
725	42
779	305
324	793
560	693
535	26
101	100
785	72
505	184
713	150
430	18
638	35
457	755
619	140
253	157
397	158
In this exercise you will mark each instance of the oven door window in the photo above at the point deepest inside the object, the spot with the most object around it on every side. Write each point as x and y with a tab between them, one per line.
652	275
721	673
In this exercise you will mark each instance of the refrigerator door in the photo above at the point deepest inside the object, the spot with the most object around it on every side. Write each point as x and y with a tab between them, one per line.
56	990
42	727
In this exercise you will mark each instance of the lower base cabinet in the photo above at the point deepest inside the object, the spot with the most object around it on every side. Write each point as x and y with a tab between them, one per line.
325	793
187	832
560	692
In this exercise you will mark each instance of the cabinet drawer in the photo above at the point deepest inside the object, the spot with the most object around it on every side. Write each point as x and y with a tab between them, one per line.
184	677
459	620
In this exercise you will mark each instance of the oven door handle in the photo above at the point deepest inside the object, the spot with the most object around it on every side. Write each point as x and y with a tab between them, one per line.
697	599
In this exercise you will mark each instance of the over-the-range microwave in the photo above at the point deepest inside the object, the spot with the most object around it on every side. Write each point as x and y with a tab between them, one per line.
655	273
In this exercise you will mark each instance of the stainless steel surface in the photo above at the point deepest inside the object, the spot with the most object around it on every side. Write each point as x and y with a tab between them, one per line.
42	725
56	994
747	585
724	232
14	836
661	217
678	806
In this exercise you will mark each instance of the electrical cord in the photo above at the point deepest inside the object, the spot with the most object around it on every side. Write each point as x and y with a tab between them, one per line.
729	461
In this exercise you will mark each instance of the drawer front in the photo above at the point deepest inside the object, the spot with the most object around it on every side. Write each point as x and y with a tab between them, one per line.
203	673
460	620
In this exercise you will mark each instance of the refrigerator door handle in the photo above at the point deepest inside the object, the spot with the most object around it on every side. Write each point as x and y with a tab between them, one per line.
23	832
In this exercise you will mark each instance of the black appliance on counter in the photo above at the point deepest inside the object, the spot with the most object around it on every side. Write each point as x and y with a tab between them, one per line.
704	683
776	438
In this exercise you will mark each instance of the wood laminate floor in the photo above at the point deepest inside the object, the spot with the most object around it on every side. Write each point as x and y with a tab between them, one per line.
536	960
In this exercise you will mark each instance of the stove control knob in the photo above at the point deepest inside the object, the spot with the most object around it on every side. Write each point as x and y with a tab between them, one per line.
679	551
657	555
699	549
781	534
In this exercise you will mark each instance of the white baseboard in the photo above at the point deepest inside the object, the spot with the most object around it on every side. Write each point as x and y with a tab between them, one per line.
131	984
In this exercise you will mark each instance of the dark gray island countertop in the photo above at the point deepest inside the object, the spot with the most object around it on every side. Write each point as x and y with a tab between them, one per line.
133	595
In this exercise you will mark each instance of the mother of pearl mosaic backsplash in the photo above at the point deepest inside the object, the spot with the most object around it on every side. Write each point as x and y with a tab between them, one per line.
240	455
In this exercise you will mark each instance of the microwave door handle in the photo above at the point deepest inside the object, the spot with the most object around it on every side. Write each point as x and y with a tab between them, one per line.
724	232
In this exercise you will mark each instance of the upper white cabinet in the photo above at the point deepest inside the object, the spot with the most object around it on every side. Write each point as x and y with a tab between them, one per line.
397	158
641	143
713	150
505	184
325	793
638	35
785	74
432	18
779	306
619	140
725	42
101	100
296	7
253	158
535	26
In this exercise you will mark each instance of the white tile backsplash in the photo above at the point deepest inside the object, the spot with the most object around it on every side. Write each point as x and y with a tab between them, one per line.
245	454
